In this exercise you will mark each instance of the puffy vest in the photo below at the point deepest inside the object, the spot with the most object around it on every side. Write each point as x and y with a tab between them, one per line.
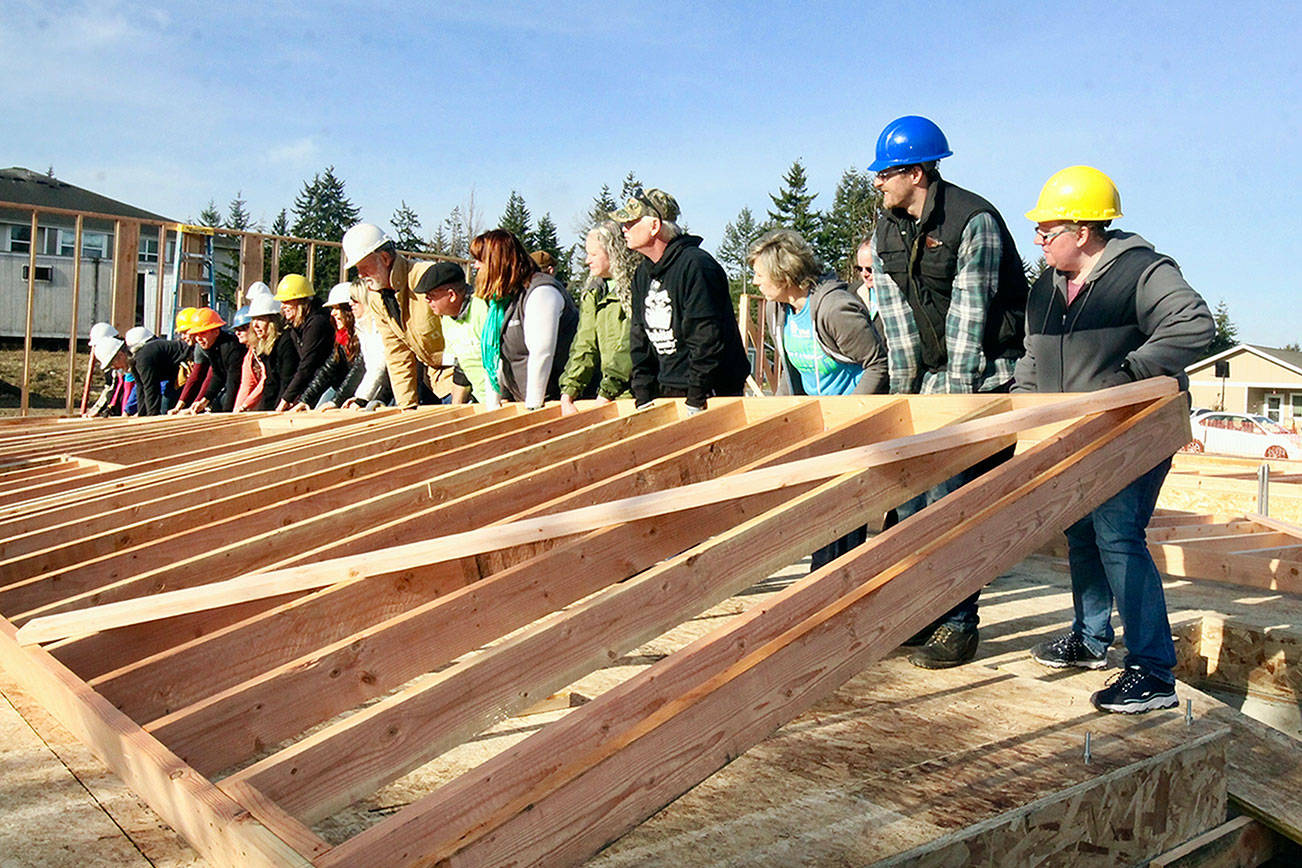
922	258
515	355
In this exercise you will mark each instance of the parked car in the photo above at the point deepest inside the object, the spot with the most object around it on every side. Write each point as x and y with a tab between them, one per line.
1243	434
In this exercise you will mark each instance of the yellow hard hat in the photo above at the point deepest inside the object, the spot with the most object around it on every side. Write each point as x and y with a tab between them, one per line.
205	319
293	286
1077	193
184	319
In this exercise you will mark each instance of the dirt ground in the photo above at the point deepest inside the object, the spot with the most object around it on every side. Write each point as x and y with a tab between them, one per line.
49	377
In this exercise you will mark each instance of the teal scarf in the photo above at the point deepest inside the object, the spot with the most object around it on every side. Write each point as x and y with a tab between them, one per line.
490	340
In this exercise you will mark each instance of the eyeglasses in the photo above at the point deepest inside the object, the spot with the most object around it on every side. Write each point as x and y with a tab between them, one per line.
863	269
1042	238
887	174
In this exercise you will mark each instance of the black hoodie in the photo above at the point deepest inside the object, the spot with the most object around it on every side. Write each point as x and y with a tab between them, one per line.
684	336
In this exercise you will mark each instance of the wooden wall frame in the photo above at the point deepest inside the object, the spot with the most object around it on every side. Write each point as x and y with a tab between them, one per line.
258	677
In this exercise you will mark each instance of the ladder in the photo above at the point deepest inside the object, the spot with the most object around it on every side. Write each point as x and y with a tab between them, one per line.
195	276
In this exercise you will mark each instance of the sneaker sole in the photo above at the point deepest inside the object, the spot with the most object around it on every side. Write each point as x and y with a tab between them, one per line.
1157	703
1063	664
924	663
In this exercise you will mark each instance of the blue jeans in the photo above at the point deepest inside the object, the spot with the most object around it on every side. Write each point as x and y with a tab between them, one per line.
964	615
1110	562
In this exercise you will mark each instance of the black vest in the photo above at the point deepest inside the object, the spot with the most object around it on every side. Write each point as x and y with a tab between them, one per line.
515	355
1105	303
922	258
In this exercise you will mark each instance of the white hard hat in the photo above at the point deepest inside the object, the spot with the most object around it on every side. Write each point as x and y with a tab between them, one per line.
263	305
255	289
340	293
105	349
101	330
137	336
361	241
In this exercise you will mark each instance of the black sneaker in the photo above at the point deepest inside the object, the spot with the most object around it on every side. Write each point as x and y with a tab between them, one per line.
947	647
1068	650
1134	691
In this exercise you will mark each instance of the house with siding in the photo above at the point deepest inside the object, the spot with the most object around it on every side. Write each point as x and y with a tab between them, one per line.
55	256
1250	379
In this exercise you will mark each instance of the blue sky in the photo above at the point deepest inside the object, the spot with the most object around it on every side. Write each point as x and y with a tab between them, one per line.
1193	108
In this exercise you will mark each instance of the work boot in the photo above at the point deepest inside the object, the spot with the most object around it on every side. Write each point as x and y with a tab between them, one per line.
947	647
920	637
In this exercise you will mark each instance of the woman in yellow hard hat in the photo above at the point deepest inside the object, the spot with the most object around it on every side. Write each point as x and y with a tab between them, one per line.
1109	310
310	332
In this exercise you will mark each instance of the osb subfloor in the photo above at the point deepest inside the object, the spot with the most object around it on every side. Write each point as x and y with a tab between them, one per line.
859	768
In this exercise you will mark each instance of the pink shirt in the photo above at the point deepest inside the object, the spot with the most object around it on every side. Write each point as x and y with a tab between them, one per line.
1073	290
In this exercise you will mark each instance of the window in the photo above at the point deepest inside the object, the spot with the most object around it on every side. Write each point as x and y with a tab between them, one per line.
20	238
94	245
1274	404
148	249
1295	402
43	273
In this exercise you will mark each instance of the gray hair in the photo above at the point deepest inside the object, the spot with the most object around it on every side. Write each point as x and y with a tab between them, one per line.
788	258
669	230
623	262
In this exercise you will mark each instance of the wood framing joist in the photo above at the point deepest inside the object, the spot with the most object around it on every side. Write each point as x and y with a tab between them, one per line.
260	656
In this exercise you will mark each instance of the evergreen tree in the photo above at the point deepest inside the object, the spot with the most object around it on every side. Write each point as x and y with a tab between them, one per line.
280	226
851	219
438	243
1034	269
210	216
602	204
517	219
738	236
457	230
322	211
406	229
792	205
631	184
1227	333
545	238
238	217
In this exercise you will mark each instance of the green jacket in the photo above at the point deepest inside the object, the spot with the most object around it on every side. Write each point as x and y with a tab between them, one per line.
602	339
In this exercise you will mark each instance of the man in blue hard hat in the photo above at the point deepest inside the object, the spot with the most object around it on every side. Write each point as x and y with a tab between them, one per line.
952	296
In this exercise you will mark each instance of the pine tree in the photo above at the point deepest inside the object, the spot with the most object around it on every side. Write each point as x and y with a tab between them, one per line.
457	230
280	226
792	204
406	229
545	238
733	251
602	204
322	211
1033	270
210	216
238	214
630	185
850	220
517	219
438	243
1227	333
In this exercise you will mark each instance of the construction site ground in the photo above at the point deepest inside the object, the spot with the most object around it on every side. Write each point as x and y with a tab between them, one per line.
982	763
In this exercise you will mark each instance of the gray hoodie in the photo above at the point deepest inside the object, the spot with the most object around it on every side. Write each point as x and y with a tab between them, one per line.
844	332
1134	312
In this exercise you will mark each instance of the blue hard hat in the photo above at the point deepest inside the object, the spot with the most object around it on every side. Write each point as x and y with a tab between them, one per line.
908	141
241	318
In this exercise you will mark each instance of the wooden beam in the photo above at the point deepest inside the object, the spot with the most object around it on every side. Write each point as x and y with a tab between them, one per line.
276	582
406	730
559	795
250	264
265	710
215	824
126	264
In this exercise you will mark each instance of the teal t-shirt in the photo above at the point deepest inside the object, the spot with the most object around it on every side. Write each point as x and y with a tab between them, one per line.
819	373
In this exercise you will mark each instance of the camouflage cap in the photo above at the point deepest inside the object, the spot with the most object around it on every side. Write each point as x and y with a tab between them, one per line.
652	203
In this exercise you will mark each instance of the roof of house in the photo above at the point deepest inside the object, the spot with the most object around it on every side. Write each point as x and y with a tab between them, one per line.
37	188
1291	359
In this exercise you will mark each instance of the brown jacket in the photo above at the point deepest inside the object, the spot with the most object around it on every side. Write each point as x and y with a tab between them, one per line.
417	340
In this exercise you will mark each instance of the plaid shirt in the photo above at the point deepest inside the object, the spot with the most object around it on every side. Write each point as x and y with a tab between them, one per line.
967	369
